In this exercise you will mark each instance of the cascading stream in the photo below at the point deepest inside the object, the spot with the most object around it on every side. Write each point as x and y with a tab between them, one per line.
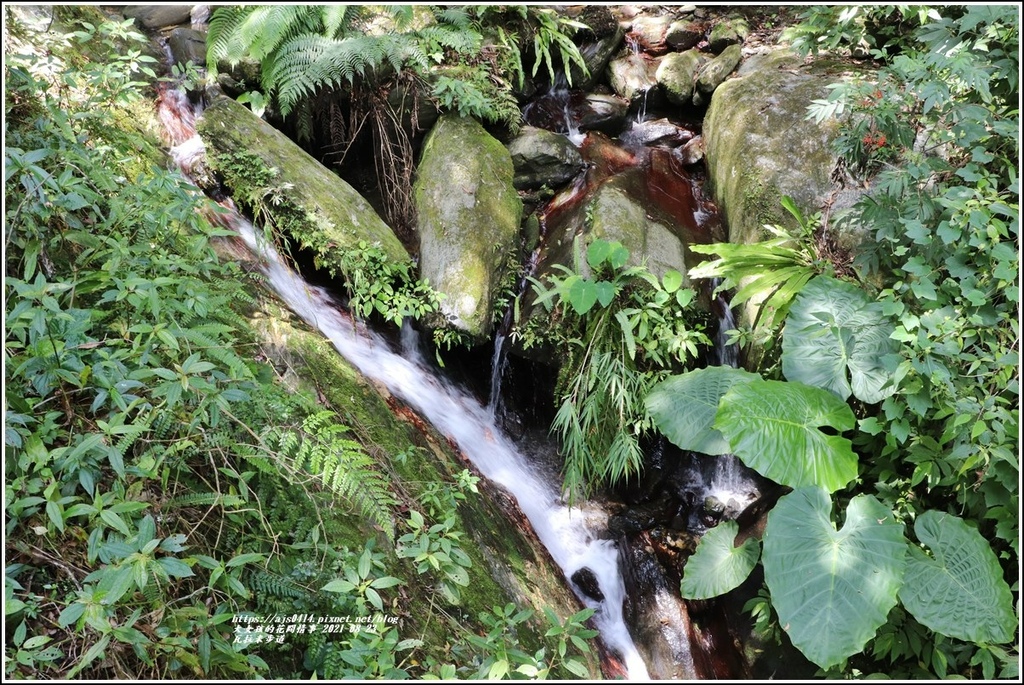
571	536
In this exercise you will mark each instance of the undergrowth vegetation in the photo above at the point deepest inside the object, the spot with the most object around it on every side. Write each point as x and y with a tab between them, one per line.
621	329
899	407
166	491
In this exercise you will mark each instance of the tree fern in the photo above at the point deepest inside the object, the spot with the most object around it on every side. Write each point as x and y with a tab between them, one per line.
308	62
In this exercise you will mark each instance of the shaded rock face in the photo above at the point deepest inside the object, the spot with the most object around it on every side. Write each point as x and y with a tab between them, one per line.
159	16
596	55
468	215
187	45
659	620
543	158
603	113
325	213
759	145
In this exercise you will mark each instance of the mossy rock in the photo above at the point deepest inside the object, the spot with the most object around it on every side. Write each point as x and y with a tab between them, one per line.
320	210
468	215
677	75
509	564
759	144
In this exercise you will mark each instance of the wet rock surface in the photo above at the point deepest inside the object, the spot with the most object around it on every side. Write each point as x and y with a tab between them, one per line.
543	158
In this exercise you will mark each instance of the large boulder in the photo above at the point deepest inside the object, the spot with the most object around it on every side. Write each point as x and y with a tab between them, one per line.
683	35
159	16
620	215
605	113
468	214
717	70
649	33
187	45
316	207
543	158
631	74
677	75
759	144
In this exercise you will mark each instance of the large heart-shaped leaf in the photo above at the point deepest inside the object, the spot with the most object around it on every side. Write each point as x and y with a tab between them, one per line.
836	338
960	592
683	407
832	588
775	428
717	566
582	295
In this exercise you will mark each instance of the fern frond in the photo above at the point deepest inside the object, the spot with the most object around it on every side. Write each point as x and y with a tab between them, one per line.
272	585
202	336
322	449
309	62
258	459
204	499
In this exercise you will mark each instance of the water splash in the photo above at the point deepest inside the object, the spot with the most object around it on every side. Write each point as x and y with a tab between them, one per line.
571	536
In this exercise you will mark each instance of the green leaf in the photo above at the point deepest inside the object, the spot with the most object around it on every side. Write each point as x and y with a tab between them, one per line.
71	613
90	656
247	558
672	280
575	667
373	597
836	338
774	428
175	567
54	513
498	670
582	295
339	585
605	292
718	566
960	592
597	252
385	582
618	255
115	522
683	407
36	641
832	589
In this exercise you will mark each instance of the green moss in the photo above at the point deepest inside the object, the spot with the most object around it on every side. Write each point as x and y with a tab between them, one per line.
508	565
324	211
468	214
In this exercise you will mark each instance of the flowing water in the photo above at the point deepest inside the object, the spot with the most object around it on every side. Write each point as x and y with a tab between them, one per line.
571	536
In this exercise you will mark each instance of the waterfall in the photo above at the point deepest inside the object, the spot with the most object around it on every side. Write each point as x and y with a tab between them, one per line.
570	536
730	479
728	355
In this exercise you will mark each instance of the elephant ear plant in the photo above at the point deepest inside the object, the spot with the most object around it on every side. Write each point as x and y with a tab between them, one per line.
832	586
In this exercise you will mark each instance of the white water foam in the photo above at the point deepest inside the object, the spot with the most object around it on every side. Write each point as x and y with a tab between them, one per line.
568	534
